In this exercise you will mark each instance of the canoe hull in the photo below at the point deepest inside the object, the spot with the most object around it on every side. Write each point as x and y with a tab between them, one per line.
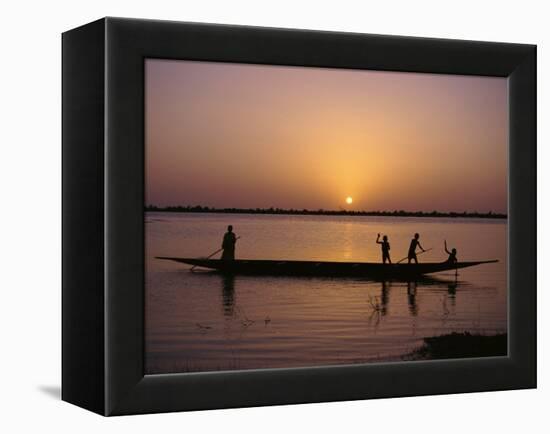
315	268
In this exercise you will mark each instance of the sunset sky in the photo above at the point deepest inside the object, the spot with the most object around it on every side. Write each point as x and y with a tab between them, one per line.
253	136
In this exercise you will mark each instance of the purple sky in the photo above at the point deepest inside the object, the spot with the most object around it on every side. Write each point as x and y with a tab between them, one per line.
236	135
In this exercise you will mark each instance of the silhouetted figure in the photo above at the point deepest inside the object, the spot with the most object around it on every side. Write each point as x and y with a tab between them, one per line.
385	248
228	244
452	257
452	254
412	249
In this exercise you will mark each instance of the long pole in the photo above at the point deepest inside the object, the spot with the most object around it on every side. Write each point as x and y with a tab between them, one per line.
418	254
217	251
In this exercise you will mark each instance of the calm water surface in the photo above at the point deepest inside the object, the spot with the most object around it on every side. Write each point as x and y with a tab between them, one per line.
204	321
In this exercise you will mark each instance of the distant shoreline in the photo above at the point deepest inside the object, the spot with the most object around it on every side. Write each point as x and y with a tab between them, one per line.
279	211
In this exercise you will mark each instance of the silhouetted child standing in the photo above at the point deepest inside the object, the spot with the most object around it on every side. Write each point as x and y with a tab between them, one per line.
385	248
228	244
412	249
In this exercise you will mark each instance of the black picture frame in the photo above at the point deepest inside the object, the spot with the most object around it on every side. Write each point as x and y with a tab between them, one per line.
103	216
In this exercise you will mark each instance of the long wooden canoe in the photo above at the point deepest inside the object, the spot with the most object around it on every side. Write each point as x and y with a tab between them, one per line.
316	268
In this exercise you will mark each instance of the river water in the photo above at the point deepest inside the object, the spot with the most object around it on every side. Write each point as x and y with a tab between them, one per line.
204	321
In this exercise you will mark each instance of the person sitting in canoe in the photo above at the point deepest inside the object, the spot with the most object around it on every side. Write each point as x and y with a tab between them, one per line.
412	249
228	244
452	254
385	248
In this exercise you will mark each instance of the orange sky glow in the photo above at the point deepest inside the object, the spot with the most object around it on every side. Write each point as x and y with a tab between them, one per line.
254	136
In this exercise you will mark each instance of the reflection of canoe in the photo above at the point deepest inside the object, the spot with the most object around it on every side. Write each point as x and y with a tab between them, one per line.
315	268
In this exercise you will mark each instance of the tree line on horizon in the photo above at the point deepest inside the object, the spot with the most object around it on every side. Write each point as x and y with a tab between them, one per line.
292	211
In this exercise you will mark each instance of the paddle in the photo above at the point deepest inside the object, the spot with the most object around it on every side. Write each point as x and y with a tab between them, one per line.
217	251
418	254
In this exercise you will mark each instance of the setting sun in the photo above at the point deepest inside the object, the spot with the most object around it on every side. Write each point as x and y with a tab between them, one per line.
349	200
